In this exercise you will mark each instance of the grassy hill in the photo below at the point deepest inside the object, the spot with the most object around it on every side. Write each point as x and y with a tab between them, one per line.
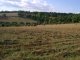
13	17
10	14
17	19
42	42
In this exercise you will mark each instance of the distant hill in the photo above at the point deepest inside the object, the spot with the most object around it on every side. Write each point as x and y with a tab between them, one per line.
17	19
13	17
10	14
42	17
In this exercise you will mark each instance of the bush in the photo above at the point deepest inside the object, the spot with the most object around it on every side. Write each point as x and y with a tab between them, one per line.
21	24
14	24
7	24
28	24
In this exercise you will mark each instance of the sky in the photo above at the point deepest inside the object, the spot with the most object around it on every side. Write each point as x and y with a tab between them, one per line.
68	6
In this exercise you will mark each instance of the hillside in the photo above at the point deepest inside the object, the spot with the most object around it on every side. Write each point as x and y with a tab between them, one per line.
42	42
10	14
12	19
17	19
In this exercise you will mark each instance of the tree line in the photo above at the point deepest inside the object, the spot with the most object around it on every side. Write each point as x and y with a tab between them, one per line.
7	24
45	17
50	17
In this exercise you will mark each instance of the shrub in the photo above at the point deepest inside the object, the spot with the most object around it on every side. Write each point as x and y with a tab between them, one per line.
21	24
14	24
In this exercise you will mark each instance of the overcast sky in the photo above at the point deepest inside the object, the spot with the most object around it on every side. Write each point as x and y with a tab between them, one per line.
41	5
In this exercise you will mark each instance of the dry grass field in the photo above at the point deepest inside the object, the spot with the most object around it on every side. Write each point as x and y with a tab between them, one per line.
42	42
10	14
16	19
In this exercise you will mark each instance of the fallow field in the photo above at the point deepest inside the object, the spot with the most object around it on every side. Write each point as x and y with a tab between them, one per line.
42	42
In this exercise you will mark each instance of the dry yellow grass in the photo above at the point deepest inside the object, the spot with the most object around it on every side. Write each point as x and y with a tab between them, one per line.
16	19
59	27
42	42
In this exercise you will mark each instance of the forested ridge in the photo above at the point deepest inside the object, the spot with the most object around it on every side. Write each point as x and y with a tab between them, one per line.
47	17
51	17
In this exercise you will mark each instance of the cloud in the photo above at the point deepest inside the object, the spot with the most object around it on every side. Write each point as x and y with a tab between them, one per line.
32	5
